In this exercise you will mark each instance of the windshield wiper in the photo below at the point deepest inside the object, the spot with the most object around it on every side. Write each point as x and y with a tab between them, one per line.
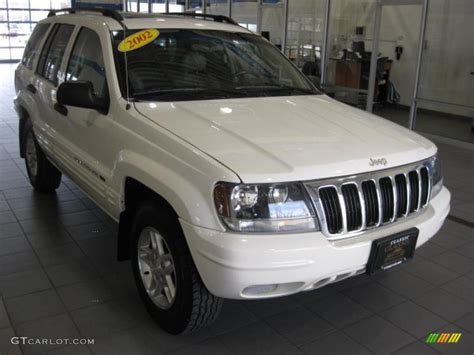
274	88
198	93
164	92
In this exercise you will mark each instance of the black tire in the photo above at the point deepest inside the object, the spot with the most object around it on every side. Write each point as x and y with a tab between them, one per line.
46	177
193	307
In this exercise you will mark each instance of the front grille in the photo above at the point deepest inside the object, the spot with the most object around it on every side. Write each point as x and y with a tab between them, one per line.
402	195
371	203
388	199
353	209
331	204
356	203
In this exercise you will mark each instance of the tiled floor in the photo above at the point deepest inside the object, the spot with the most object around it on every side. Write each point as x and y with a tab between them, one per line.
59	279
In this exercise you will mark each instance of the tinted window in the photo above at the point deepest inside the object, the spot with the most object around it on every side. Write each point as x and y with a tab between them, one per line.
87	62
53	52
32	48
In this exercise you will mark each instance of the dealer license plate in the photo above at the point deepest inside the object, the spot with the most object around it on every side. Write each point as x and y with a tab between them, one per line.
392	251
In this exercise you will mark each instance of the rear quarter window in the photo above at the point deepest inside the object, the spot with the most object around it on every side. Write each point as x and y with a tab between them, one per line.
32	49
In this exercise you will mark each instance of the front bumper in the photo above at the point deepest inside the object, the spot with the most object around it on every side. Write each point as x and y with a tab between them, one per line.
231	264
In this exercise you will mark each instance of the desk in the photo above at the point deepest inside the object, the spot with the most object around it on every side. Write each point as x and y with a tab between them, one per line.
354	74
348	73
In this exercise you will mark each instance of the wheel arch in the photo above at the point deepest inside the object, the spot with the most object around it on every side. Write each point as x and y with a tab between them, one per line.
23	116
135	192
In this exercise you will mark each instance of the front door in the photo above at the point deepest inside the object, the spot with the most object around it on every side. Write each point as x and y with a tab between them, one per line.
88	132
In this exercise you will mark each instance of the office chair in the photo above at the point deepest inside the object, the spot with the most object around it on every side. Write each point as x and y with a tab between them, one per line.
311	70
358	47
379	77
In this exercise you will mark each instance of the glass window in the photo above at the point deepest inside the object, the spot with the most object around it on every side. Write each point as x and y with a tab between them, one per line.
16	4
42	4
218	7
19	15
38	15
206	64
246	13
87	62
33	45
18	18
176	6
4	53
53	52
158	6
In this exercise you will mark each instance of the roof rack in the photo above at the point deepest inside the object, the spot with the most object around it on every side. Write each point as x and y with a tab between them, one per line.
105	12
216	18
122	16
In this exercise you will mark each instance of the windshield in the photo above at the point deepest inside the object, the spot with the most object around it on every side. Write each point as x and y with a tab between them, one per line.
183	65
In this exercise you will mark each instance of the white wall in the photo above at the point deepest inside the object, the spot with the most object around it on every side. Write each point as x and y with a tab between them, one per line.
448	52
449	57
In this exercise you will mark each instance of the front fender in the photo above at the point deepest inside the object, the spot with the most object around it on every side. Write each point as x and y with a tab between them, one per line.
187	188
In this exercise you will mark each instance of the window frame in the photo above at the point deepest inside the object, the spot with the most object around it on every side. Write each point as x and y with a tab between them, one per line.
73	46
47	47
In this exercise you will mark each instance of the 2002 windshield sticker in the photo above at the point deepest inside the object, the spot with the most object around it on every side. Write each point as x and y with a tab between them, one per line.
138	40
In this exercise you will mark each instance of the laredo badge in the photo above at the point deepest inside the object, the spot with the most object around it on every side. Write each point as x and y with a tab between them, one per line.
138	40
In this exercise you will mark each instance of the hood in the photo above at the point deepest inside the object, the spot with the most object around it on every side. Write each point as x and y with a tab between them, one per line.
276	139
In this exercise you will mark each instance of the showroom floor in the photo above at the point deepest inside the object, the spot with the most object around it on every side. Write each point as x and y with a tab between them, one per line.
59	279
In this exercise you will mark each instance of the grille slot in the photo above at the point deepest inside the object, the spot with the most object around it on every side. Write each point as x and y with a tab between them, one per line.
414	191
353	207
402	195
371	203
425	186
332	209
388	202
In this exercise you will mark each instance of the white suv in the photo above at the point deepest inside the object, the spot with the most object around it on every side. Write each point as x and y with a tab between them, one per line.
229	173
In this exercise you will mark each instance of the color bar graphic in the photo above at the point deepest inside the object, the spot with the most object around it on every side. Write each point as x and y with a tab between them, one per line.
443	338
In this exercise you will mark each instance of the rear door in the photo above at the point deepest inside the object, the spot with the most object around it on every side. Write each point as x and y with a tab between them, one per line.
24	74
46	81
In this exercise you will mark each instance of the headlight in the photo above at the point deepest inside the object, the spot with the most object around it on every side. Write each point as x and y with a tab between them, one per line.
437	176
265	207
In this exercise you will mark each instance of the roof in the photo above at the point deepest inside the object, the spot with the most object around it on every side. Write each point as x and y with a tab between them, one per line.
141	21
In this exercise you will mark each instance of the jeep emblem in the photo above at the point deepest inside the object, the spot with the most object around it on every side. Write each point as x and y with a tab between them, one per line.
379	161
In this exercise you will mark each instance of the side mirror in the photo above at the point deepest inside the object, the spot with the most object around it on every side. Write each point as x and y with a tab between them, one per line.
80	94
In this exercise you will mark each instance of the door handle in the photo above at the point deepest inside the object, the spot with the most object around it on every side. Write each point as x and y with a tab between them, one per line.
31	88
60	108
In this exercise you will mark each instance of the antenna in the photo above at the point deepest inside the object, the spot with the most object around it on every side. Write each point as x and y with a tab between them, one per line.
127	82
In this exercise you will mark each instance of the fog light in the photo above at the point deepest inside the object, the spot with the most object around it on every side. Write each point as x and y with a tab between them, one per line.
259	290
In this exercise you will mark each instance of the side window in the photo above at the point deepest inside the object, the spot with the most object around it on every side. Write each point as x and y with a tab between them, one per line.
32	48
53	52
87	62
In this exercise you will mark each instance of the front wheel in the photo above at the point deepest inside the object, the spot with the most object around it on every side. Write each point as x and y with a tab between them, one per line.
165	274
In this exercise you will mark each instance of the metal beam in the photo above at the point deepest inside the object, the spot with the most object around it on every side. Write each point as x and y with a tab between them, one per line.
286	4
229	12
259	16
419	59
325	51
401	2
374	57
